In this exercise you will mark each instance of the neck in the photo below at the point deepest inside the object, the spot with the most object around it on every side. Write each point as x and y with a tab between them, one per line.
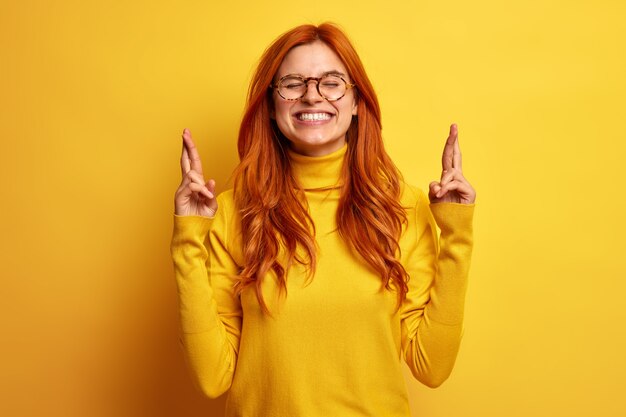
318	172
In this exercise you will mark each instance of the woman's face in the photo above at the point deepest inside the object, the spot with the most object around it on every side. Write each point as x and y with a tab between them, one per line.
313	125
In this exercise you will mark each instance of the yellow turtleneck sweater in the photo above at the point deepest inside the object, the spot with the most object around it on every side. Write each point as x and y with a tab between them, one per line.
333	347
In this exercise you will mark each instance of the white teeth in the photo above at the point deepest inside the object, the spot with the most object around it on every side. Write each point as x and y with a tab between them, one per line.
314	116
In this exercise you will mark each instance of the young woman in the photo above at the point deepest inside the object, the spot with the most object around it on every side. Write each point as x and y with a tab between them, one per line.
303	287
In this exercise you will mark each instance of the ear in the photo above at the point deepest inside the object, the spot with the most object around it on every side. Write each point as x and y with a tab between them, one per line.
355	105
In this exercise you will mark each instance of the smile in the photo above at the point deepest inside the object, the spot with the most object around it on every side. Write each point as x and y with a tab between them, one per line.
313	116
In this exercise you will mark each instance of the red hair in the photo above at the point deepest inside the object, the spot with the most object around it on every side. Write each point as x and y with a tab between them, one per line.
275	221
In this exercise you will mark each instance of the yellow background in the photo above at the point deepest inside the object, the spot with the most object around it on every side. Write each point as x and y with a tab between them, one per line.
94	96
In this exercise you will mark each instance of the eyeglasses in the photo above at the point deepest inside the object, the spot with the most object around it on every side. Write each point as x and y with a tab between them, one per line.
330	86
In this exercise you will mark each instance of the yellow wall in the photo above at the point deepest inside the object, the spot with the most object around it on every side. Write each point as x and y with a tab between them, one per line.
94	96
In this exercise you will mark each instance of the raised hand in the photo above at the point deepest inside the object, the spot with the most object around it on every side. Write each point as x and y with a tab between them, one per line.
453	187
194	196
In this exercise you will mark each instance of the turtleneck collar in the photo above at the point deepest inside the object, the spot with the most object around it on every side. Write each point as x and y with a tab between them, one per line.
318	172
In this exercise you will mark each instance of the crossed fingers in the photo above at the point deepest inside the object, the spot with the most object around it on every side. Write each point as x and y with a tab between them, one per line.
452	187
191	167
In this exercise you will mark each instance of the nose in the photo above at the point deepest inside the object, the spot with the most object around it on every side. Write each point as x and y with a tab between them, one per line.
311	94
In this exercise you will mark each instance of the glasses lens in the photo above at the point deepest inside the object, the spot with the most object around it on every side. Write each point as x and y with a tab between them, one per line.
332	87
292	88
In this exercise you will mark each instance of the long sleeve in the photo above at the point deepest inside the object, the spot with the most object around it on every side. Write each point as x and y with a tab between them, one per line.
210	313
432	316
334	343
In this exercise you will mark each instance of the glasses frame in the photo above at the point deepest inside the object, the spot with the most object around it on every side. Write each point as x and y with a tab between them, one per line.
306	80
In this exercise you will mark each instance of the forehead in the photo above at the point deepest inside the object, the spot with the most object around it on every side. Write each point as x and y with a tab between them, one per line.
311	60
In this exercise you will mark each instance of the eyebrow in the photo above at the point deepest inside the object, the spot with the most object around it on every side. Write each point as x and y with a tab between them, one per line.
334	72
331	72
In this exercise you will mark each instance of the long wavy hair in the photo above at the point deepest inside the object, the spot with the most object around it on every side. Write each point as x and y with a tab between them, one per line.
277	229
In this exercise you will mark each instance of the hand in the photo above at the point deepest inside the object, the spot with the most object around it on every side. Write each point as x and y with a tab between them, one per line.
194	196
453	187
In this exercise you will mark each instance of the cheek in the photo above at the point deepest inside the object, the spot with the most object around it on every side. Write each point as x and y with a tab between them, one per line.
281	111
347	114
283	118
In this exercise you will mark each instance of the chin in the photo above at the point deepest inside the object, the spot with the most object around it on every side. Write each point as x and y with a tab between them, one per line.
316	147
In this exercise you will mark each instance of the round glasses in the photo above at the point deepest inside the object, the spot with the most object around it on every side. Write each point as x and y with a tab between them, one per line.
293	87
